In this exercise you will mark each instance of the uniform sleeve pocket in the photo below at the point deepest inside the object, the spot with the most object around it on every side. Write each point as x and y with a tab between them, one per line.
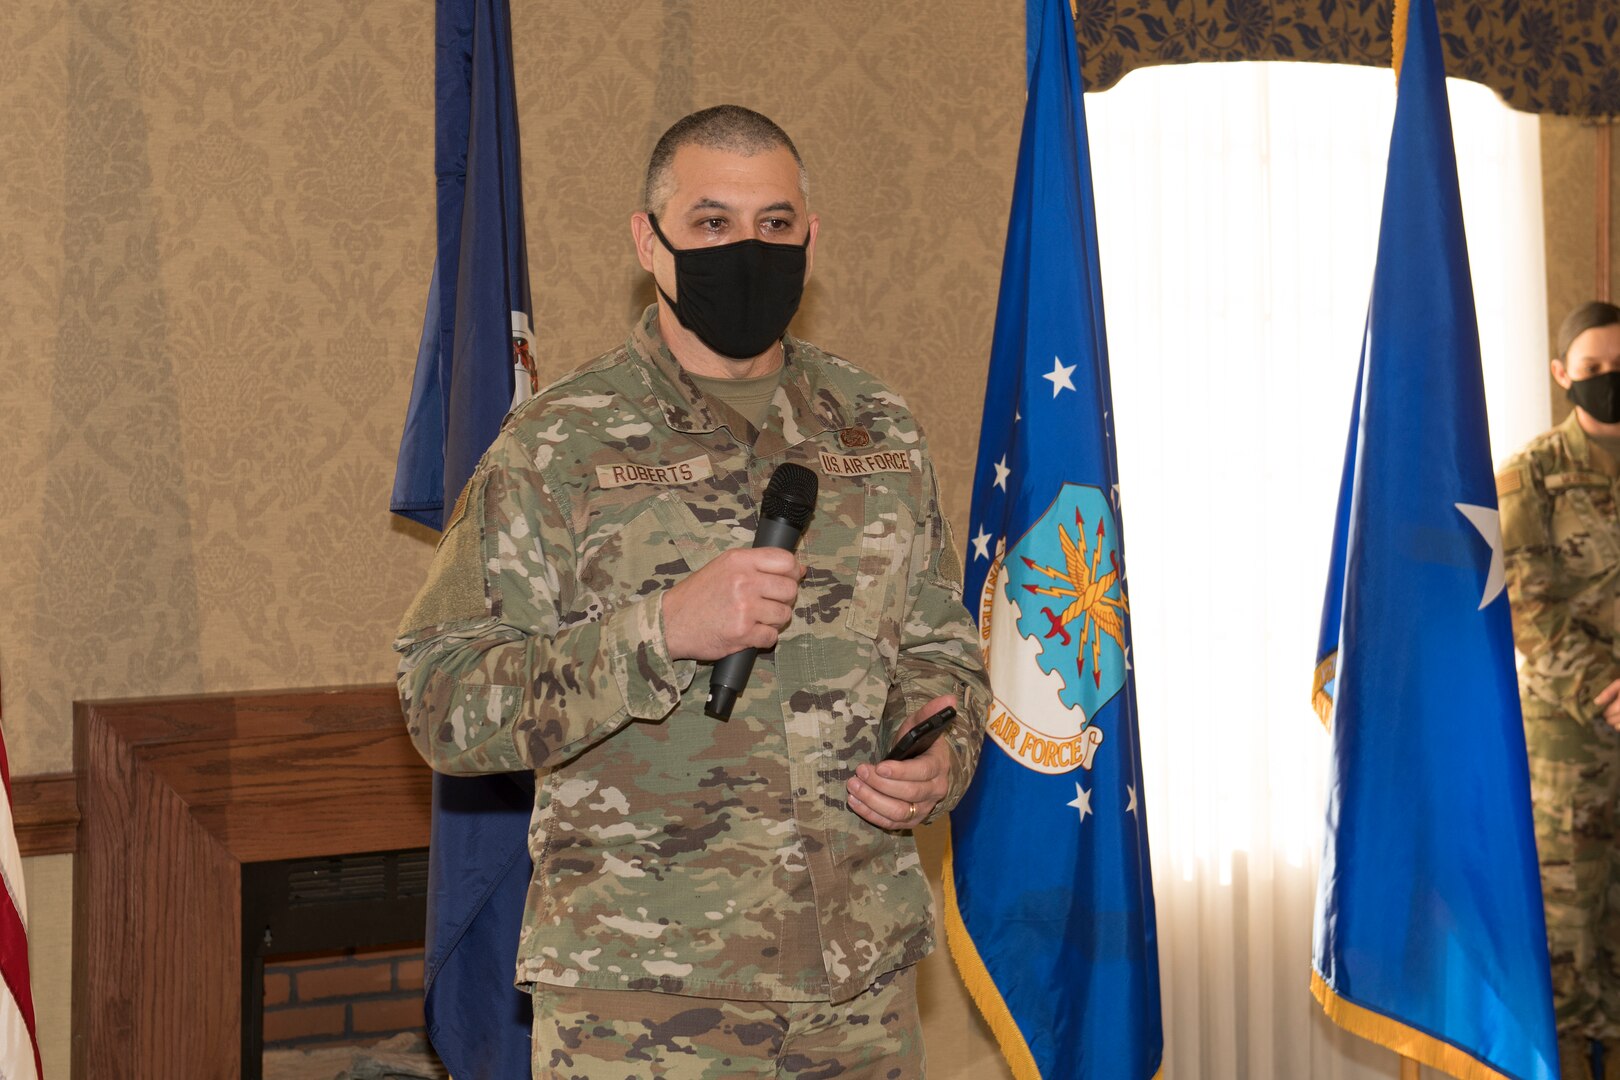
1523	523
1522	508
472	723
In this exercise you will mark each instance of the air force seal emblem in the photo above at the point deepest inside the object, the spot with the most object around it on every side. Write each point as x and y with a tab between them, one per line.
1052	624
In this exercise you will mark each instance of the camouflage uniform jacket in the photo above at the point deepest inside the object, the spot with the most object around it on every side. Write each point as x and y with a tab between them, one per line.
1561	543
675	852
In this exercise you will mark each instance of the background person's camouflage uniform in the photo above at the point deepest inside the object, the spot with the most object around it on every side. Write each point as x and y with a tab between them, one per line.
1561	540
674	852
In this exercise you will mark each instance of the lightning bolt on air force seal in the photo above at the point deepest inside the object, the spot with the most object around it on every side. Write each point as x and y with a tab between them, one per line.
1052	624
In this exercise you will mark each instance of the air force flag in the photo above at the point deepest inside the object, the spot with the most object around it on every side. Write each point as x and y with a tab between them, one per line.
1056	944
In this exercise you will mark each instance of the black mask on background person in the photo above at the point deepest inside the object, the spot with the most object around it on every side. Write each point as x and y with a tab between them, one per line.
737	298
1599	396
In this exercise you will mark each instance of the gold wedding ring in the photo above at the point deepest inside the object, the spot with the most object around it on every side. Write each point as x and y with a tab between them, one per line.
911	810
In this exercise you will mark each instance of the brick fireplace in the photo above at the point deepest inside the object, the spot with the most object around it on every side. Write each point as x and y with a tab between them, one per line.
355	995
179	800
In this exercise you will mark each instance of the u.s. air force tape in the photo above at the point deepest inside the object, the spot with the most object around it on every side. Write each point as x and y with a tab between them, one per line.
862	464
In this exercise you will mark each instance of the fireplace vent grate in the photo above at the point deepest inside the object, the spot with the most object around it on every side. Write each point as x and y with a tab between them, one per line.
356	879
299	906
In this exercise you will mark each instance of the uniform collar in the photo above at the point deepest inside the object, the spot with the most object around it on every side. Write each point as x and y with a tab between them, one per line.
1575	438
1582	452
806	404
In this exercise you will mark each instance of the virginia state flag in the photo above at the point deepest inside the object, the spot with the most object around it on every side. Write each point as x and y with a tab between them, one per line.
1429	937
474	361
1049	893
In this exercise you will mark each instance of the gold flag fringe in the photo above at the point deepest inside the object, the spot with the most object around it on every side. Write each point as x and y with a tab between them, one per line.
979	984
1397	35
1321	700
982	988
1396	1036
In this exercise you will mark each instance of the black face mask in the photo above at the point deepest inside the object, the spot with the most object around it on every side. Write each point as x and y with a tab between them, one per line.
737	298
1599	396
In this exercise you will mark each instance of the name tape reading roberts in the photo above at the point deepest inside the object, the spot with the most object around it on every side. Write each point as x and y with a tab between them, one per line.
861	464
626	473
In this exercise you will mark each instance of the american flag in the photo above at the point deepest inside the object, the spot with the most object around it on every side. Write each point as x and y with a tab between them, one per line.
19	1038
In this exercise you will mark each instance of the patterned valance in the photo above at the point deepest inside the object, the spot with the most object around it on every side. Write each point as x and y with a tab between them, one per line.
1545	56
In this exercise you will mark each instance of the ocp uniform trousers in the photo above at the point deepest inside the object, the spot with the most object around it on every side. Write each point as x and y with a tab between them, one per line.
1575	786
589	1034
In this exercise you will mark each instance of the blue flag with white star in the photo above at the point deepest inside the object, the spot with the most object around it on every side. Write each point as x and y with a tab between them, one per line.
1049	892
473	363
1430	936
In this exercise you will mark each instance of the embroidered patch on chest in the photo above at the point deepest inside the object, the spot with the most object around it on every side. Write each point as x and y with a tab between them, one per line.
1560	481
854	437
625	473
864	464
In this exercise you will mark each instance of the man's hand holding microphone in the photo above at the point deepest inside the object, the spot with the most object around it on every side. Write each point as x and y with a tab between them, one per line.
742	600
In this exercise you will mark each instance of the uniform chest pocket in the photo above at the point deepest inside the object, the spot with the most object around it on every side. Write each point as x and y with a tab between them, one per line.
858	552
1583	523
638	549
882	568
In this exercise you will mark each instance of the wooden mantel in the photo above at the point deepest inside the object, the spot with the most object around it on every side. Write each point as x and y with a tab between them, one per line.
174	795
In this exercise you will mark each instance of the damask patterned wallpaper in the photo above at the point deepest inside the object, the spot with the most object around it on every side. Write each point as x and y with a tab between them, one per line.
215	240
214	246
216	243
1569	152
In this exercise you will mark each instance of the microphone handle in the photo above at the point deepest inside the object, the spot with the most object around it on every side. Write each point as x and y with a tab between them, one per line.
731	673
776	533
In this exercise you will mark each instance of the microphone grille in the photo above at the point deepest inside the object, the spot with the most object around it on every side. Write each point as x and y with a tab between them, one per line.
791	495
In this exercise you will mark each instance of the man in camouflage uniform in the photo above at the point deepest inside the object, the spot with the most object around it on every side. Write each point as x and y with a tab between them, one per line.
710	898
1561	539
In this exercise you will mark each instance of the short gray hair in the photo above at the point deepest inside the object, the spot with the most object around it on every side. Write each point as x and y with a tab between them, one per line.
720	127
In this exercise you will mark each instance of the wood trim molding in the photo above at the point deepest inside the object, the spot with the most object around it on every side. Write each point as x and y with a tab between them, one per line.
45	812
175	795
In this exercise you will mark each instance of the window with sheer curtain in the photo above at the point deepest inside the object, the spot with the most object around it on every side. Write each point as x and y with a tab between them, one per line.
1238	210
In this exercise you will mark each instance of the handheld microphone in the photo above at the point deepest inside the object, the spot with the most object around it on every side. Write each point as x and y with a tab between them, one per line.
790	499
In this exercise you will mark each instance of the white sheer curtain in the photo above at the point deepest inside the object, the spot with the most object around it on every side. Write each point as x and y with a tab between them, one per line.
1239	209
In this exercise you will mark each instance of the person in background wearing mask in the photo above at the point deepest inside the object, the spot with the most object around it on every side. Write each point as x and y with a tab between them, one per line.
710	897
1561	542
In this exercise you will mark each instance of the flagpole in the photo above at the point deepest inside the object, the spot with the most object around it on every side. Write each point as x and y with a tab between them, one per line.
1410	1069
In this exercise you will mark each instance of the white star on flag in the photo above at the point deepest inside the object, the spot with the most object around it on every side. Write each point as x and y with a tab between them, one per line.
1130	807
1002	472
981	544
1082	801
1489	523
1060	376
